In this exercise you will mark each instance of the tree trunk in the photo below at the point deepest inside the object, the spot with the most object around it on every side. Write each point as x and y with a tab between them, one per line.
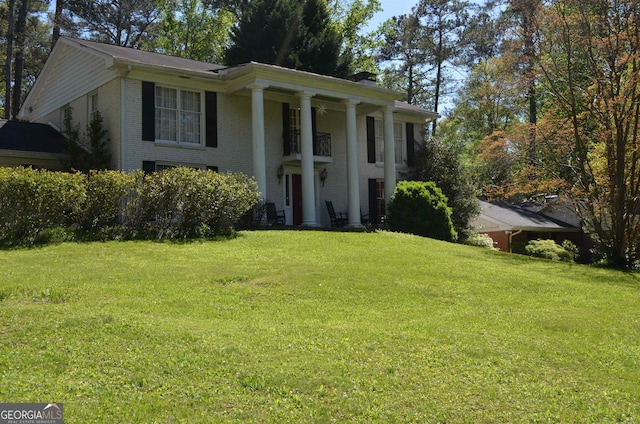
8	74
21	25
57	19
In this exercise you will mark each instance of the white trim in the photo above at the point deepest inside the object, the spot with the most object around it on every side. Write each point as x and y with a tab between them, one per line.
202	112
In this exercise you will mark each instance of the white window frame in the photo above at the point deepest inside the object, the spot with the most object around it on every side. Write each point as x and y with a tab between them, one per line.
92	101
399	142
179	110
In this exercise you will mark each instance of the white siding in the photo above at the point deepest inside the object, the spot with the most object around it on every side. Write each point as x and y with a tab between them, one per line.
74	74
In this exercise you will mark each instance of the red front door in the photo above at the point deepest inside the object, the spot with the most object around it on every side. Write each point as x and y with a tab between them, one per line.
296	195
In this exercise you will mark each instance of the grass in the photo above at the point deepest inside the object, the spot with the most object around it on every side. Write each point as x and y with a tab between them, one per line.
316	327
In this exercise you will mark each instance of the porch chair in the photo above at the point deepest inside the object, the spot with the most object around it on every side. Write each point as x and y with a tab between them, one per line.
274	216
337	219
364	219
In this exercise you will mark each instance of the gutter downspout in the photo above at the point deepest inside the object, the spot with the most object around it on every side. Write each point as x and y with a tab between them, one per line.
511	234
123	116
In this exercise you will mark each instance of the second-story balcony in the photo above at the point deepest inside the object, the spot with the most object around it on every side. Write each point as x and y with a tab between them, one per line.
321	147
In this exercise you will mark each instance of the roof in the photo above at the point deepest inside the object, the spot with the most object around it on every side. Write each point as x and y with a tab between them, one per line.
518	218
131	55
29	137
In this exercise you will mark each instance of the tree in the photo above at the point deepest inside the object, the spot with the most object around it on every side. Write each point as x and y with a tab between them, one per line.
194	31
119	22
441	163
592	67
444	21
289	33
350	17
405	51
525	12
25	50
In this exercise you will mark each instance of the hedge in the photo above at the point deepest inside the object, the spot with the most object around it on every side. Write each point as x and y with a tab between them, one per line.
177	202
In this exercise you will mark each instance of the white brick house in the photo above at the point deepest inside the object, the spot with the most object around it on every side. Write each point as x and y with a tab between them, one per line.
305	138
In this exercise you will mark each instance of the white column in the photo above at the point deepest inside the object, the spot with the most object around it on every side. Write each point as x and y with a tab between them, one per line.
257	131
306	141
353	185
389	155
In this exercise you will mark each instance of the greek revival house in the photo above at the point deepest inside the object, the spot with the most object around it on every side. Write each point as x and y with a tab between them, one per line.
305	138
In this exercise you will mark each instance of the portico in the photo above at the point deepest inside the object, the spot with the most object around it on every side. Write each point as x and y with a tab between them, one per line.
302	98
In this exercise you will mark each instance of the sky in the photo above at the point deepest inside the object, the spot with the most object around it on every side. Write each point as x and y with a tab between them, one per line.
391	8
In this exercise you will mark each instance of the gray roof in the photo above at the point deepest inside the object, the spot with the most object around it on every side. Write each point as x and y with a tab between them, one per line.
128	54
520	218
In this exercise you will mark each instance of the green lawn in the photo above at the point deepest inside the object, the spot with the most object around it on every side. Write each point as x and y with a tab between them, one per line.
286	326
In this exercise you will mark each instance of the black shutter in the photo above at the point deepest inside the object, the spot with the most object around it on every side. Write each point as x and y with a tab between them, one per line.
148	166
211	118
411	146
213	168
286	130
371	141
148	111
373	201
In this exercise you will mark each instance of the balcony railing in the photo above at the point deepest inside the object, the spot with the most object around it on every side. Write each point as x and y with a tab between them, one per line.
321	144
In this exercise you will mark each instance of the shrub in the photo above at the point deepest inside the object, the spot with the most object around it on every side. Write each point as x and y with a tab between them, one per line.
420	208
34	200
186	202
480	240
548	249
107	193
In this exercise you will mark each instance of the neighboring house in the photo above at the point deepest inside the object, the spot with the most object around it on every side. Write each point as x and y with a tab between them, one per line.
305	138
29	144
513	226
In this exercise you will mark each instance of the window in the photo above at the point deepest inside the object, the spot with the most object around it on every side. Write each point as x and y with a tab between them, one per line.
178	115
398	140
67	115
380	203
93	107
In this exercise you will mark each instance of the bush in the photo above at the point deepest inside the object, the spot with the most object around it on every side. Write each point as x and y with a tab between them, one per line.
186	202
480	240
548	249
34	200
38	206
420	208
107	193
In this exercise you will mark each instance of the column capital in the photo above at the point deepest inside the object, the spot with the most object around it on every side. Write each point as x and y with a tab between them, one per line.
305	94
388	109
256	87
351	102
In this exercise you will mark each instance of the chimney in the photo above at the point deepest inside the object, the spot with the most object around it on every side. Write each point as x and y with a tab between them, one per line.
366	78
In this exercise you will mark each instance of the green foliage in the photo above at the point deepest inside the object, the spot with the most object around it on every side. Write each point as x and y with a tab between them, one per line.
88	152
194	31
107	193
185	202
420	208
480	240
440	161
34	200
291	34
548	249
176	203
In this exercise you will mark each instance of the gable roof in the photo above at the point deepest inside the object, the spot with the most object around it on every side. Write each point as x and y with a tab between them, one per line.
508	217
135	56
30	137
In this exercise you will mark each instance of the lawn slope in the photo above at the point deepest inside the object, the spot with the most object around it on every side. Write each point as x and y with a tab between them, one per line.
280	326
